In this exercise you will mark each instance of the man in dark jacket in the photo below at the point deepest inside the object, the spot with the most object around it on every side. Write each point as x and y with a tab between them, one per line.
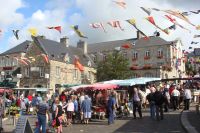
111	108
159	100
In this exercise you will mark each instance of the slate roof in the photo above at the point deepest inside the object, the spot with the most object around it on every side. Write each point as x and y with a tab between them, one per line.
18	49
107	46
56	51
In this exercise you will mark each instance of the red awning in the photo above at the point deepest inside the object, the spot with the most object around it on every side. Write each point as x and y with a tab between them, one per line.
98	86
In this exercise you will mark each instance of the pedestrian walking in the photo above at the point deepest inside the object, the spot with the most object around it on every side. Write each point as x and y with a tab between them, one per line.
187	97
159	100
151	100
175	98
137	103
111	108
41	114
86	109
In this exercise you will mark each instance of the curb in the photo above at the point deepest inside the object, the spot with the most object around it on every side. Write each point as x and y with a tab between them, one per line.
186	124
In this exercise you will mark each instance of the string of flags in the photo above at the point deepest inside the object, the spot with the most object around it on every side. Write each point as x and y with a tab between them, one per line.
121	3
189	12
98	25
117	24
194	42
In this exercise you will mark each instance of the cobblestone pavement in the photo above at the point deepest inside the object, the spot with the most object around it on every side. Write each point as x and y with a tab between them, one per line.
194	118
170	124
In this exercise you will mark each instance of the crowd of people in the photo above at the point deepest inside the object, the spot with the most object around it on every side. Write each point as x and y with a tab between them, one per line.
68	107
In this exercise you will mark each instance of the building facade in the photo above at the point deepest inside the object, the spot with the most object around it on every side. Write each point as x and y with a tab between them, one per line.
44	63
152	57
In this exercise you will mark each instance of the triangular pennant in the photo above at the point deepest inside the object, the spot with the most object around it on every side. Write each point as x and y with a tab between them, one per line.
194	42
133	23
120	3
15	32
196	36
78	32
151	20
58	28
33	31
178	15
98	25
46	58
198	27
147	10
173	20
126	45
115	24
77	64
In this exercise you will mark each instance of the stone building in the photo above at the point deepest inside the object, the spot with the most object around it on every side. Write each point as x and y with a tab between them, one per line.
152	57
35	69
194	60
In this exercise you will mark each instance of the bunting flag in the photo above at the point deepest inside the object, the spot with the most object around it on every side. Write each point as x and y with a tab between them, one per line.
133	23
189	12
167	30
155	9
15	32
196	36
32	59
120	3
58	28
147	10
173	20
179	15
26	60
198	27
46	58
98	25
33	31
151	20
115	24
194	42
78	32
23	61
195	12
156	33
127	45
77	64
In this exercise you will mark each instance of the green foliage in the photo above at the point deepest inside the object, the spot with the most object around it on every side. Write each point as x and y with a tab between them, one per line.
190	70
115	66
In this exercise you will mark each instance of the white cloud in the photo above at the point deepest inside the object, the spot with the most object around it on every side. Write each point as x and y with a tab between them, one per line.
8	13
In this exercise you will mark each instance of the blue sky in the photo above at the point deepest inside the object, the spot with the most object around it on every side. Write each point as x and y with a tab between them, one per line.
24	14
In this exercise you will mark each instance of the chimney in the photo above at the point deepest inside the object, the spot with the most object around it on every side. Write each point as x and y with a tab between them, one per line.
83	45
139	35
65	41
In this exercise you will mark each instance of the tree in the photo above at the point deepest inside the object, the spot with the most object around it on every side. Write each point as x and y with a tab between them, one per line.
190	70
115	66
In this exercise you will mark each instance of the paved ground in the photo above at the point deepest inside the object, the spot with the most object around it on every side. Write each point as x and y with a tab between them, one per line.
194	118
170	124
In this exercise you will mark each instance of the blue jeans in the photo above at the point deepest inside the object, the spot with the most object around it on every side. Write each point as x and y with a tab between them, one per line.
152	110
41	122
110	116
